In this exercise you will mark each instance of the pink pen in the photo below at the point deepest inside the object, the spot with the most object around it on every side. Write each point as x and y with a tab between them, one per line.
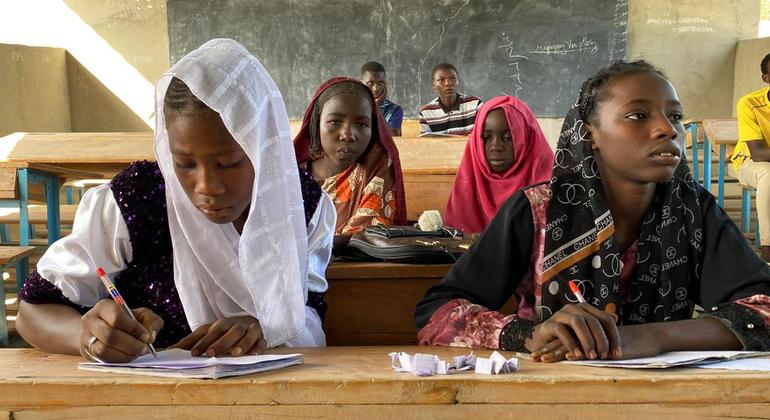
119	300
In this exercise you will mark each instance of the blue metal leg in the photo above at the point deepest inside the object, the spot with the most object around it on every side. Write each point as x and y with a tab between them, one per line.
745	210
706	163
4	339
721	176
52	201
23	207
22	272
70	197
757	240
5	235
695	165
22	267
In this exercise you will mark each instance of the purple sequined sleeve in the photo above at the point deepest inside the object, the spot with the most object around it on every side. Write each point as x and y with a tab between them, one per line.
38	290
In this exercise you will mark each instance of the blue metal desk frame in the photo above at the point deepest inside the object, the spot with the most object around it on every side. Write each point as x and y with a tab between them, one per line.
25	178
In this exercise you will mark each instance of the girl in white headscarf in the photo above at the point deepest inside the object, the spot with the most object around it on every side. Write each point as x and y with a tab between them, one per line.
221	247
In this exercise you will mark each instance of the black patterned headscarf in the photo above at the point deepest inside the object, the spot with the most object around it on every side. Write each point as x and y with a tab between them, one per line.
580	244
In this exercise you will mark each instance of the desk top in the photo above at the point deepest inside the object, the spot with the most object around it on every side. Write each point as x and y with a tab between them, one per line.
721	131
441	155
62	148
362	375
13	253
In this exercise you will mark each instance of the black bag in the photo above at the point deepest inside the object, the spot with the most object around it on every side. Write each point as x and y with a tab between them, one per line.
407	244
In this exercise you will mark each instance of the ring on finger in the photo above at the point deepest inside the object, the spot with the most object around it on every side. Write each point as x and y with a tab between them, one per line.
90	352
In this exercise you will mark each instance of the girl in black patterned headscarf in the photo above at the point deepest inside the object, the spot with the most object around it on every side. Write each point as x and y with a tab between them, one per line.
621	217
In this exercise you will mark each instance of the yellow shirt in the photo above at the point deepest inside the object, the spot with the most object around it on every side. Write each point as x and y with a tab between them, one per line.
753	124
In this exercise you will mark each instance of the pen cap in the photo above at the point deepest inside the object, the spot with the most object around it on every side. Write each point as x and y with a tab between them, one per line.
100	271
574	287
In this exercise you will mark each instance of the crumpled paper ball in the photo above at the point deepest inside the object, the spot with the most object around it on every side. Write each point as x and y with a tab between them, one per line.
430	220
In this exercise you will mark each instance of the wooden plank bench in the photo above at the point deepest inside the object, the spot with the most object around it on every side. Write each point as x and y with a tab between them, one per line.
9	255
38	214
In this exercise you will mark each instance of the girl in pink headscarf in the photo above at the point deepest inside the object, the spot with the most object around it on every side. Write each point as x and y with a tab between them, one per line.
505	152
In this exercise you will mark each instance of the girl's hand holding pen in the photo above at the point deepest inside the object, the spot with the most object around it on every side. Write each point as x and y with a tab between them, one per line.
109	333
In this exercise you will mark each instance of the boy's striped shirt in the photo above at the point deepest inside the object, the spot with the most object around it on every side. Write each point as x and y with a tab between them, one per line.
459	120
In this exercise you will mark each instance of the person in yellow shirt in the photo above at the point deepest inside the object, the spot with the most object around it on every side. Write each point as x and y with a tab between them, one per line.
751	158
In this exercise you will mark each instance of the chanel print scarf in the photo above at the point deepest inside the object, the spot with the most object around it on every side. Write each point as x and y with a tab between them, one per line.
580	243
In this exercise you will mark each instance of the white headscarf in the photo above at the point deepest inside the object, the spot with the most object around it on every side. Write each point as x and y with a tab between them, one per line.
263	272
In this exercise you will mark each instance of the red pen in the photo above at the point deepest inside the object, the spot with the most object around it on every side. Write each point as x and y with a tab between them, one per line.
576	291
119	300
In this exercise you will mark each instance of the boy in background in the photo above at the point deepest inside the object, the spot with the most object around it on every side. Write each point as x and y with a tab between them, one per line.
373	76
451	113
751	158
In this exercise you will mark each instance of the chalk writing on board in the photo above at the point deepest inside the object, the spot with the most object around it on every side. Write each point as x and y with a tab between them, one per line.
514	72
620	32
568	46
682	24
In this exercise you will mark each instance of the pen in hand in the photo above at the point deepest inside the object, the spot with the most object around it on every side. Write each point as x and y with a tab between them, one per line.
579	296
119	300
576	291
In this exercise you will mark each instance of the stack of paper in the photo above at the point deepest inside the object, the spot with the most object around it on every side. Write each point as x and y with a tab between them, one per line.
672	359
179	363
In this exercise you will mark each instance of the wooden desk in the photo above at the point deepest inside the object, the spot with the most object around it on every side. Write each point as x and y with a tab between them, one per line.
372	303
103	153
345	382
9	255
724	133
22	181
429	165
410	128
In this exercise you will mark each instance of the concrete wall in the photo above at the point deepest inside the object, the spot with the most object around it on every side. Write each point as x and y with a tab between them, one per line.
694	43
137	29
93	107
33	89
135	34
747	73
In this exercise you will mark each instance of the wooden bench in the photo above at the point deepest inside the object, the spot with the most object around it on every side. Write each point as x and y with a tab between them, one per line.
9	255
429	165
372	303
38	214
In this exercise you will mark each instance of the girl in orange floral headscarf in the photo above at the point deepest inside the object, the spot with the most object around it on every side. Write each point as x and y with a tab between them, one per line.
346	145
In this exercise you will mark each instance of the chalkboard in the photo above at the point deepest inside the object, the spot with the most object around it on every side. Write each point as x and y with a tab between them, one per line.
538	50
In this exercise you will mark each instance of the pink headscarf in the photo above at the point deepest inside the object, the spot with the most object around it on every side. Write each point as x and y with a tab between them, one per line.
477	192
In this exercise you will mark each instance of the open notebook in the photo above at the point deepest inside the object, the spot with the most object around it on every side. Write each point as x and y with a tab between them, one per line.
177	363
672	359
